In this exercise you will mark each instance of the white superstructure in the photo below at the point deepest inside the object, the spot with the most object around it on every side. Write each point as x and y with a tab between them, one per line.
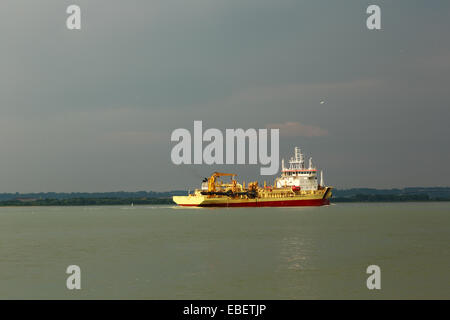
297	174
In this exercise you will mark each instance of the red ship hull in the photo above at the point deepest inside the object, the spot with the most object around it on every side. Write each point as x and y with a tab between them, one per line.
282	203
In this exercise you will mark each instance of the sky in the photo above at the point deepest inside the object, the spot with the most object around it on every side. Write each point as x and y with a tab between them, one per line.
92	110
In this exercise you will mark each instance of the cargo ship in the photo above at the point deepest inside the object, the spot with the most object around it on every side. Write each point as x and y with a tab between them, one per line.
297	186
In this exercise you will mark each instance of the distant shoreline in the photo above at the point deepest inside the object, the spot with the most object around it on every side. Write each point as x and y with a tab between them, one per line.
416	194
85	202
168	201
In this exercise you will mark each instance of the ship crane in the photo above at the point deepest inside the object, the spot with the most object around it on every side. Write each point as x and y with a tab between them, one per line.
212	179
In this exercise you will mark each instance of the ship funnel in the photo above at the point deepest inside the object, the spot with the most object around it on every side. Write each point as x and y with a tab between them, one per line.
321	178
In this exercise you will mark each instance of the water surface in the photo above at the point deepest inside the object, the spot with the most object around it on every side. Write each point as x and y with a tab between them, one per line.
164	252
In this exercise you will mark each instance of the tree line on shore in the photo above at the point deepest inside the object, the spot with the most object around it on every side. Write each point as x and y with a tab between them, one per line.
165	198
86	202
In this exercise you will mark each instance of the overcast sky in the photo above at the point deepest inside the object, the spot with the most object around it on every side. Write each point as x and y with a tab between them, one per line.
93	110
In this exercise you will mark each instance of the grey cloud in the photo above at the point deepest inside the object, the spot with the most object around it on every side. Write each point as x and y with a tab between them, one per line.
93	110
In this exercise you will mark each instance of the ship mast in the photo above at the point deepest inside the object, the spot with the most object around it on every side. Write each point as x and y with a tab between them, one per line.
298	161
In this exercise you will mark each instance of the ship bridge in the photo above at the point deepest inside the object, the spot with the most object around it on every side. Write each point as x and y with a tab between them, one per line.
297	174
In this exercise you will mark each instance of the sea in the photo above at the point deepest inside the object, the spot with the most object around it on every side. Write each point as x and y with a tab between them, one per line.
168	252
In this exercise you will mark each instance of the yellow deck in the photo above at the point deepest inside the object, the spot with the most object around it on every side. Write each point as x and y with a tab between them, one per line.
197	199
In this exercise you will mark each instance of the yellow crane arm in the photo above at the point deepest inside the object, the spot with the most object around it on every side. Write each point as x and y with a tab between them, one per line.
220	174
212	179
